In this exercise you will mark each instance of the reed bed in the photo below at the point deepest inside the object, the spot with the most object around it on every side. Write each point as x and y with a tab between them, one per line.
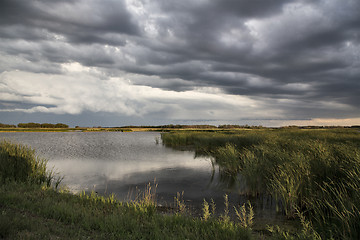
314	173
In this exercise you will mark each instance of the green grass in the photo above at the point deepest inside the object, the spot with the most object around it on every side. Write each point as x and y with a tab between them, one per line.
31	212
315	173
31	208
19	163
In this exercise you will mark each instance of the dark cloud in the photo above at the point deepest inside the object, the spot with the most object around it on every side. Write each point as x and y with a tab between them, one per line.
304	50
248	9
79	21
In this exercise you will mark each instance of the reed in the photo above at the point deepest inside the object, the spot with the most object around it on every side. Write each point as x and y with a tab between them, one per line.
19	163
30	212
225	217
245	215
180	205
206	211
316	172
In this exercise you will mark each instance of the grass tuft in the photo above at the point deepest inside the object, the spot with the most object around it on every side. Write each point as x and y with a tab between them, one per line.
19	163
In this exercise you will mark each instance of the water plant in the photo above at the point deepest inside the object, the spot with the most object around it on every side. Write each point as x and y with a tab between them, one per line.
180	203
225	217
206	211
315	172
245	215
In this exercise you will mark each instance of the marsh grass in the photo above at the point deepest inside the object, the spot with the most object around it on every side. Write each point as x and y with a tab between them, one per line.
245	215
225	217
314	172
32	212
146	196
30	208
179	203
19	163
206	210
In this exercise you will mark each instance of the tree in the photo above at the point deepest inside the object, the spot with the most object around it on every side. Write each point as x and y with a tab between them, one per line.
2	125
61	125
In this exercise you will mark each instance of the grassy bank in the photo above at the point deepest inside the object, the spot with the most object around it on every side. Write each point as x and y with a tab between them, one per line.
31	212
315	173
31	207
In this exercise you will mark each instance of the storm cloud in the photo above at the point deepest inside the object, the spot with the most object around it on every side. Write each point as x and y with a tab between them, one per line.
172	61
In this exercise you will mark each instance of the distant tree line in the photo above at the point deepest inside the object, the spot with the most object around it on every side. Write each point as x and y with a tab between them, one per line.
171	126
179	126
228	126
233	126
318	127
175	126
2	125
42	125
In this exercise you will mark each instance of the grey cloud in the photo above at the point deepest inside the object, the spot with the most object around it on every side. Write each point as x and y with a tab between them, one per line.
254	8
308	53
310	58
78	21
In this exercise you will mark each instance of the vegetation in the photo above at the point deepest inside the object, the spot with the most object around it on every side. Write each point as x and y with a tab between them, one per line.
19	163
38	127
2	125
45	127
42	125
29	212
314	173
176	126
31	209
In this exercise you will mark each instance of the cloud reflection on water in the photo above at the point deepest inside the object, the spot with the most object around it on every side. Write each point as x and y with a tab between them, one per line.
88	174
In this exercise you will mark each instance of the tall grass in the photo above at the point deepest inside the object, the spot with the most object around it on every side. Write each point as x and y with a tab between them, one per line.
31	209
245	214
30	212
19	163
206	142
316	172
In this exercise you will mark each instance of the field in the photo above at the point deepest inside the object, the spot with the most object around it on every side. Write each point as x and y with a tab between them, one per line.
314	173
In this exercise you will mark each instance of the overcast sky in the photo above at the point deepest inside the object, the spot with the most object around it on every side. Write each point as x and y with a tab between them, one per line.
146	62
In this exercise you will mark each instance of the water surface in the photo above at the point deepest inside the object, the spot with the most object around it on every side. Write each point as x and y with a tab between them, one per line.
115	162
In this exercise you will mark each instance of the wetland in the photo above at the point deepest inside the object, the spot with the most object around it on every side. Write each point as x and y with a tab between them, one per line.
307	176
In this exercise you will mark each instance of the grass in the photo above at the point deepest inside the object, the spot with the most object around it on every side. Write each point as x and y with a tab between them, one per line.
314	173
32	208
19	163
31	212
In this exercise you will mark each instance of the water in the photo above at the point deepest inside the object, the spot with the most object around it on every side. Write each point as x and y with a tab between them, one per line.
115	162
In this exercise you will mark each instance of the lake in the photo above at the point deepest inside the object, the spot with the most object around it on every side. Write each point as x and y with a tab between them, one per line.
119	163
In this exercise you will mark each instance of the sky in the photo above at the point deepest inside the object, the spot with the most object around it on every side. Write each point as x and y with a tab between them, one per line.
154	62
